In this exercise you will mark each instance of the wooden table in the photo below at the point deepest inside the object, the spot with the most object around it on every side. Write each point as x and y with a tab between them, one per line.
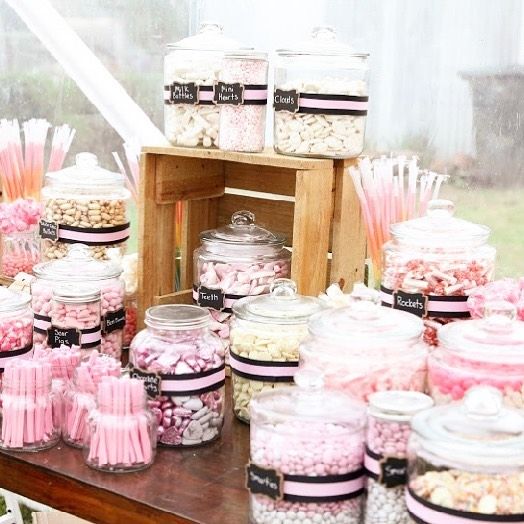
203	485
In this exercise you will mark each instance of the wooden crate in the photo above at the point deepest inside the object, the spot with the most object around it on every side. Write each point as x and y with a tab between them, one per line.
311	201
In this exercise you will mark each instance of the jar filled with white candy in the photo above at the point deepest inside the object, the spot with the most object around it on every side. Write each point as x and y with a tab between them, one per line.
433	263
265	335
191	68
320	98
466	461
84	204
78	266
238	260
386	462
306	455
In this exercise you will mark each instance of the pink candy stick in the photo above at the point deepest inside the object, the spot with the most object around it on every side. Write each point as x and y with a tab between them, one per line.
31	400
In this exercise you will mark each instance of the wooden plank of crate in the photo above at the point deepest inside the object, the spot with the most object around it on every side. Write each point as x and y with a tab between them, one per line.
184	178
349	238
198	216
267	158
274	215
266	179
178	297
313	213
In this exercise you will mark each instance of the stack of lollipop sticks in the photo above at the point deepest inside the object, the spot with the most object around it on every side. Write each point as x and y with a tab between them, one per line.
391	190
27	408
122	436
131	174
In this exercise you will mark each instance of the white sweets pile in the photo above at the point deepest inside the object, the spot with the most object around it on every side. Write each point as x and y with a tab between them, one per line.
321	134
185	124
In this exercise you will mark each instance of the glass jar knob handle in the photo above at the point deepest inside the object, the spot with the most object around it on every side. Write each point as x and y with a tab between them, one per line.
243	218
483	402
499	315
79	252
86	160
440	208
283	288
309	379
324	32
211	27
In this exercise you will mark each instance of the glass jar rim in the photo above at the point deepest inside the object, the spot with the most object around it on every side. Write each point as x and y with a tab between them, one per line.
11	301
173	317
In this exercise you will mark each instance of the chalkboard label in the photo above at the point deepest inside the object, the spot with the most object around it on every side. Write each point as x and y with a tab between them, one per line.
48	230
228	94
213	298
183	93
285	100
151	381
113	321
393	472
415	303
57	337
262	481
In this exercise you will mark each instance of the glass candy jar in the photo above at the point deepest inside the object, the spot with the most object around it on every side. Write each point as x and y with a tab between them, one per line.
75	317
182	365
242	96
432	264
30	413
19	252
364	348
466	461
320	98
488	351
265	335
16	325
191	69
80	267
307	448
84	204
386	463
235	261
122	430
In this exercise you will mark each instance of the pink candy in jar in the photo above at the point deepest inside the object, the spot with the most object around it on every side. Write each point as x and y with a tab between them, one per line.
78	267
364	348
307	450
182	365
488	351
242	95
433	263
16	326
238	260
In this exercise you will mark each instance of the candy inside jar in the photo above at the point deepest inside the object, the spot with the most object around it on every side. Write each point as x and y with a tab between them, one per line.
238	260
487	351
466	461
84	204
433	263
386	462
19	252
182	365
265	336
306	454
364	348
320	98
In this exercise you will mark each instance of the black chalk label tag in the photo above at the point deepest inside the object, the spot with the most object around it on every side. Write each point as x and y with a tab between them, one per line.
152	381
228	94
393	471
415	303
264	481
183	93
57	337
48	230
285	100
113	321
212	298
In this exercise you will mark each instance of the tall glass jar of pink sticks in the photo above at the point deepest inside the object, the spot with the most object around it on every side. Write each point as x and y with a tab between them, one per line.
433	263
234	261
76	268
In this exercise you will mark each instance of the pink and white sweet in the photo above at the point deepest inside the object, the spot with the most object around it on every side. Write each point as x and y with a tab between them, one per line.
314	444
487	351
242	127
184	374
80	397
29	421
122	430
365	348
